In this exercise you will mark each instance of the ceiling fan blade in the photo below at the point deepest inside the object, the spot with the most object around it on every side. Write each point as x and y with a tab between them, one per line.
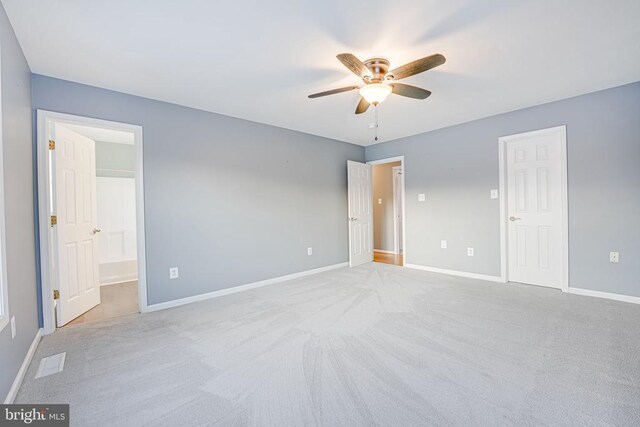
363	105
354	64
416	67
334	91
409	91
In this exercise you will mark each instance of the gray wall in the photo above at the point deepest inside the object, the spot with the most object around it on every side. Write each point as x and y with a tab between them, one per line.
18	200
228	201
115	160
456	167
382	177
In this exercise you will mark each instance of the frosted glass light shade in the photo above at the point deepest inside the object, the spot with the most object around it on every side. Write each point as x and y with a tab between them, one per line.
375	93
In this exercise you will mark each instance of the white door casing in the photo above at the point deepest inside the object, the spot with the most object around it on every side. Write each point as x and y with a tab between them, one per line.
397	209
536	207
75	235
46	122
360	213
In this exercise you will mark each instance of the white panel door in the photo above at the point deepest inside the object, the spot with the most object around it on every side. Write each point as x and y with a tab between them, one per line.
535	207
360	213
76	260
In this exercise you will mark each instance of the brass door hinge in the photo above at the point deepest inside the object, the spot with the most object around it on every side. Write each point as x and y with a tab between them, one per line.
54	220
56	294
52	144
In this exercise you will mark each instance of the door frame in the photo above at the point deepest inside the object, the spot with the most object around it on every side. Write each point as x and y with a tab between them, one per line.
404	201
45	121
502	167
395	190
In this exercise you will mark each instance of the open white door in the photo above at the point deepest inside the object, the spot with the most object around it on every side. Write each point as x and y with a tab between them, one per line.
360	213
75	241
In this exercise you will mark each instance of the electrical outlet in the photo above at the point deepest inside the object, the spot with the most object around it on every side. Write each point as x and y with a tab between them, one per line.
173	273
469	251
493	194
13	327
443	244
421	197
614	256
309	251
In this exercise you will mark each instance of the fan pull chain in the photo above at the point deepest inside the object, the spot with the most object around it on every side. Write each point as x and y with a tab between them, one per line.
376	110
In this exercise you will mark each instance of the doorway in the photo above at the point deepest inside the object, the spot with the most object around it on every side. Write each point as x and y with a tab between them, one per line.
376	211
91	219
533	212
387	211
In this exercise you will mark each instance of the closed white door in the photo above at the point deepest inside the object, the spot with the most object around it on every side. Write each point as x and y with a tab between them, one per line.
397	208
535	207
360	213
76	260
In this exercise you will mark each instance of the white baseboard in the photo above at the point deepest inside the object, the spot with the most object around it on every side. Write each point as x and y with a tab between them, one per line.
457	273
241	288
382	251
17	382
576	291
606	295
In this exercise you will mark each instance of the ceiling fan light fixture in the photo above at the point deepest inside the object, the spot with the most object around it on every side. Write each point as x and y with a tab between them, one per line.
375	93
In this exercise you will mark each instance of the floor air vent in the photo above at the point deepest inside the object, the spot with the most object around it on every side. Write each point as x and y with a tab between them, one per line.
51	365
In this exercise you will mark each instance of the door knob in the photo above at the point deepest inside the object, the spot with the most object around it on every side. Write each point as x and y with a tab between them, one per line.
513	218
95	230
353	219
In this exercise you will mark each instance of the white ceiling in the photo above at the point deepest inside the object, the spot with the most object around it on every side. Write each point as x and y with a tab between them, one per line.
259	59
103	135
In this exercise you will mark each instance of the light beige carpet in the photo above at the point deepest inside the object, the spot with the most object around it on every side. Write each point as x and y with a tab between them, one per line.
373	345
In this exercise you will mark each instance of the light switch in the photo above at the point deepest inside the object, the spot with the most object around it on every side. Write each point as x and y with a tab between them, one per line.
379	201
494	194
421	197
309	251
469	251
443	244
173	273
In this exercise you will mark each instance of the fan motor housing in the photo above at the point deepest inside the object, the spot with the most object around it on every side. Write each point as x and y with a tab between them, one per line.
379	67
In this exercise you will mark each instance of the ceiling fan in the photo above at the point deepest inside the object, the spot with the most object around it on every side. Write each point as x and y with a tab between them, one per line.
379	82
